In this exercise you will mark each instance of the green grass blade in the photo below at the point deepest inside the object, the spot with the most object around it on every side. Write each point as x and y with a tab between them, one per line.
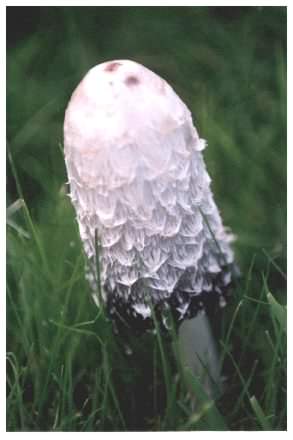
260	416
278	311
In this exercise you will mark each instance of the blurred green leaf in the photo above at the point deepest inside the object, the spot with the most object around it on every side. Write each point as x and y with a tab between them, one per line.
262	419
279	311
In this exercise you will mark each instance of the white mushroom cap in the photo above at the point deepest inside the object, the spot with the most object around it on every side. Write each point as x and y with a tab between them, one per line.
137	176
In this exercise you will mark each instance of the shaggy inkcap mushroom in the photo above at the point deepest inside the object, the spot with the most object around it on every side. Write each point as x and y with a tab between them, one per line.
138	179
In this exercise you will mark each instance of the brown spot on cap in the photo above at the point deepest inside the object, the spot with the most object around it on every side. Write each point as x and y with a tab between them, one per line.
131	80
111	67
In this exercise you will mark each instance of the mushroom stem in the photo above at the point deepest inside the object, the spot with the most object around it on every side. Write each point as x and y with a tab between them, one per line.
199	354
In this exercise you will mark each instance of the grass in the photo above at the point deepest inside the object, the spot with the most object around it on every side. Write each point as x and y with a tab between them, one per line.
66	368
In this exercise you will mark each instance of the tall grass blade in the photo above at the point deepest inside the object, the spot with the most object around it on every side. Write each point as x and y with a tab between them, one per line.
261	418
278	311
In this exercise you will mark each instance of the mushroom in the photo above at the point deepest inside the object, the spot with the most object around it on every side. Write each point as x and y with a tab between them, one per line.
138	181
